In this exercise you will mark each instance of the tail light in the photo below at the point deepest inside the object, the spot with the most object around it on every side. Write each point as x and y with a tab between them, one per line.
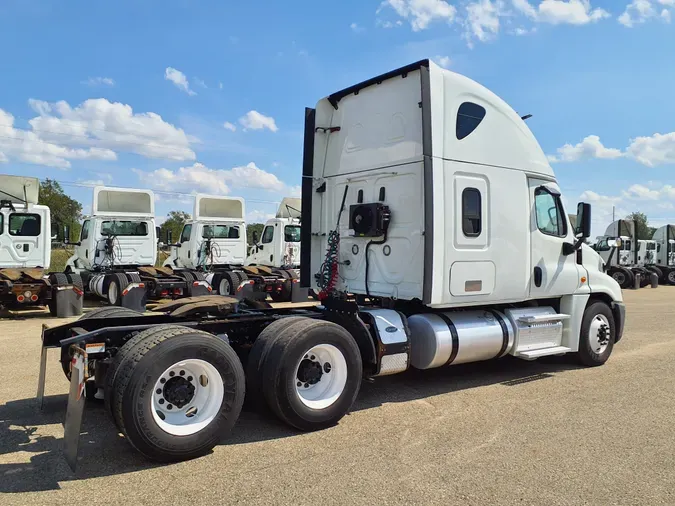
34	298
20	298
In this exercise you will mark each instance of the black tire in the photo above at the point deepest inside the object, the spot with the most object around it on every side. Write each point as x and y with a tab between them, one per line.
256	360
623	276
120	281
242	275
58	279
199	276
586	354
670	276
133	277
279	373
232	283
186	275
121	356
101	312
657	271
75	280
146	360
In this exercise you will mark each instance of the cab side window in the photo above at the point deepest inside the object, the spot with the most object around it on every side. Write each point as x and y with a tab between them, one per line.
185	234
550	214
85	230
268	234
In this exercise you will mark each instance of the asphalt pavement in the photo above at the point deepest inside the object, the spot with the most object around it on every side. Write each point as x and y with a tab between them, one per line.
500	433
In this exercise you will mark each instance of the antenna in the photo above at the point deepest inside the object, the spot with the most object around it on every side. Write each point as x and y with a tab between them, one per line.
526	117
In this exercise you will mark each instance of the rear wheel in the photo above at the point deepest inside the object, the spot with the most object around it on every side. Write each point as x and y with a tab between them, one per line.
624	277
670	277
228	283
312	374
118	282
598	334
177	394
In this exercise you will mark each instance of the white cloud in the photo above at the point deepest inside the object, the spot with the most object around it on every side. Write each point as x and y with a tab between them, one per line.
388	24
253	120
98	81
28	146
590	147
573	12
200	82
641	11
652	151
229	126
199	177
105	126
482	19
179	79
356	28
443	61
220	86
421	13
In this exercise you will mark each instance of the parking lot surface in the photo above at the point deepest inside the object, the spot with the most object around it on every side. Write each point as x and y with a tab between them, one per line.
506	432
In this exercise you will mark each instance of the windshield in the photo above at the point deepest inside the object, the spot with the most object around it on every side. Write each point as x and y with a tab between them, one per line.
292	233
132	228
220	232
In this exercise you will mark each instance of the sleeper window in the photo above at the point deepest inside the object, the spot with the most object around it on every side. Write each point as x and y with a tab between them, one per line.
24	225
471	212
469	116
550	214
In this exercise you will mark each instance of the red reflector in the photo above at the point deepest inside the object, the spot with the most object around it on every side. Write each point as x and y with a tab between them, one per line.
176	291
34	298
196	283
210	289
78	291
125	292
165	292
20	298
141	285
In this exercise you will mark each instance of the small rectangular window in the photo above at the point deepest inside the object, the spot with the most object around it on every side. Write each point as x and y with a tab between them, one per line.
469	116
185	234
292	233
551	219
124	228
85	230
24	225
268	234
220	232
471	212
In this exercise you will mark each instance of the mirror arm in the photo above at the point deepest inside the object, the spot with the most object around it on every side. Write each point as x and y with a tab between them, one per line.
568	248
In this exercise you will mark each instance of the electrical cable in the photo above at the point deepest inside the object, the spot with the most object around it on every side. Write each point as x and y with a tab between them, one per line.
385	226
328	273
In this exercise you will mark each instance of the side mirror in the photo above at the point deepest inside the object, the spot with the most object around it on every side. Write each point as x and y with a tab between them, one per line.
158	232
614	243
255	237
66	234
169	236
583	228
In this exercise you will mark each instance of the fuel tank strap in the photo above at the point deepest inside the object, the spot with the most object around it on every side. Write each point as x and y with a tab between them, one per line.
505	332
455	337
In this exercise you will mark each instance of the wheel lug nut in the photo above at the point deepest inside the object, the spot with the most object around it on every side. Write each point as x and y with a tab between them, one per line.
162	381
169	406
299	384
172	374
161	401
312	357
306	385
306	356
189	378
182	373
158	391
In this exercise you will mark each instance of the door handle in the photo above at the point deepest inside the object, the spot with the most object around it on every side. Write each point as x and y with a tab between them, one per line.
538	273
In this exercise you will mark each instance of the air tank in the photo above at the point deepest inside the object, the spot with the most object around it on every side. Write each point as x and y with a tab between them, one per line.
458	337
96	285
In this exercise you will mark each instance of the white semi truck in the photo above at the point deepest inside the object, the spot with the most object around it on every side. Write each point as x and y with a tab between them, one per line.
630	257
425	193
213	244
117	251
25	253
278	248
664	237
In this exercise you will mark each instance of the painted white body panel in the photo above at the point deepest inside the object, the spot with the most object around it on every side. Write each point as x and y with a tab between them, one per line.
137	250
665	255
25	250
278	252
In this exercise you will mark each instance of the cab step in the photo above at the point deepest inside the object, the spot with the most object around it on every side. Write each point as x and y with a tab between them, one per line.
543	352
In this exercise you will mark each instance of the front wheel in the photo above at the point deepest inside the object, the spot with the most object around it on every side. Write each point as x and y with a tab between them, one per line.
598	334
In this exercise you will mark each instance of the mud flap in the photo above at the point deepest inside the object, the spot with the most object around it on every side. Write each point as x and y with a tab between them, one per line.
299	293
75	410
67	301
198	289
135	297
43	372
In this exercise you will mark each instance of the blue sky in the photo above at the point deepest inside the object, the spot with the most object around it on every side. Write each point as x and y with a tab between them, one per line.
183	95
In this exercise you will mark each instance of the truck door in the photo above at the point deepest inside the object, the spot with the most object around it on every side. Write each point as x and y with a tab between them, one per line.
553	273
184	246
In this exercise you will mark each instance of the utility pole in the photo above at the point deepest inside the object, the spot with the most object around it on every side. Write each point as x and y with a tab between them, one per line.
612	214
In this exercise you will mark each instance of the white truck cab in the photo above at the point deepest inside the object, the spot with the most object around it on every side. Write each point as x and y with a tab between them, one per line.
214	237
422	189
664	237
279	244
120	231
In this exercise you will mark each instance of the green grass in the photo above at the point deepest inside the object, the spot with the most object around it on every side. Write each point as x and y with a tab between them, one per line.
61	255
